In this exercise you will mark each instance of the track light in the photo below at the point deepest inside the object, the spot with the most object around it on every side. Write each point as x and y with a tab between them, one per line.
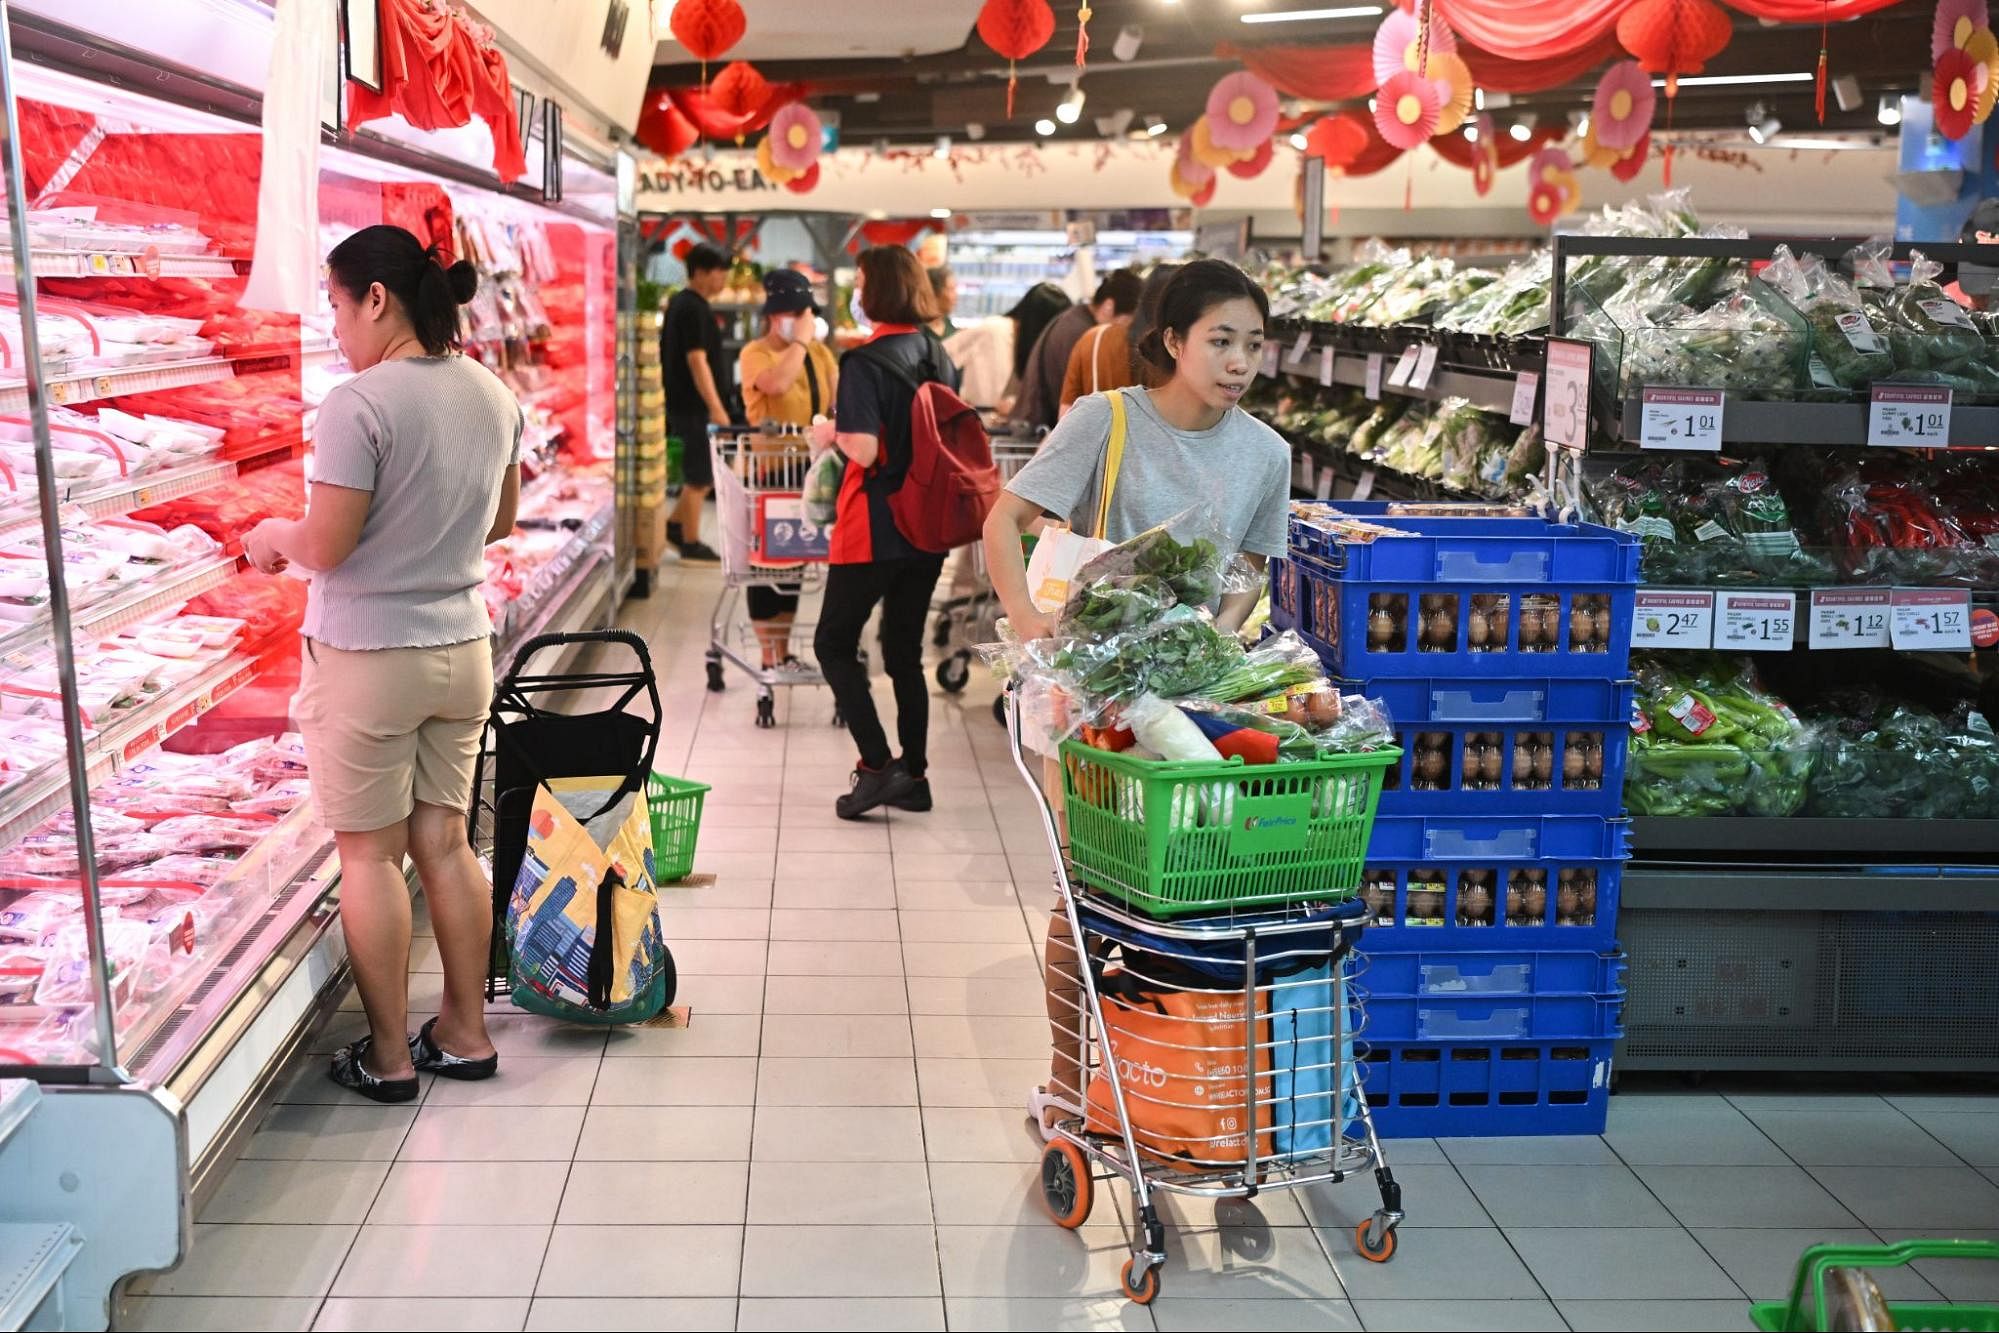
1478	99
1154	127
1070	109
1471	133
975	130
1044	127
1520	132
1889	112
1128	39
940	213
1299	142
1114	125
1763	126
943	148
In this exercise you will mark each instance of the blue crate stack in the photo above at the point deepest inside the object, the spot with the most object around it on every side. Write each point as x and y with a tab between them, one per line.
1501	647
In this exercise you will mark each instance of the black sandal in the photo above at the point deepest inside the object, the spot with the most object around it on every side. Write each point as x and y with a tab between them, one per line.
426	1054
349	1071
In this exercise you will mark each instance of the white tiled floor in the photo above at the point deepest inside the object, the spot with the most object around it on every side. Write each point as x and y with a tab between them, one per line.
836	1142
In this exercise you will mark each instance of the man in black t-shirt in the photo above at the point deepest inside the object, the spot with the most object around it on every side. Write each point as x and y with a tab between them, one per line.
690	351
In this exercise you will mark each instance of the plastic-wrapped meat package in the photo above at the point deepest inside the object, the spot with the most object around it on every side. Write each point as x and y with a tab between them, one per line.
184	869
211	833
227	511
256	413
270	605
139	959
269	760
169	443
31	918
165	779
20	973
282	799
24	587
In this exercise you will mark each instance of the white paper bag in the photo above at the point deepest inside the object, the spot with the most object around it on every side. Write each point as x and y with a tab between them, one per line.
1058	554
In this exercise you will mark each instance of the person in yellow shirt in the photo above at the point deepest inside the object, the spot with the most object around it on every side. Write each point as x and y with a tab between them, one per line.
788	377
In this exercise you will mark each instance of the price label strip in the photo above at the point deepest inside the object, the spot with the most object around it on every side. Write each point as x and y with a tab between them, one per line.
1405	366
1373	387
1930	619
1526	388
1674	418
1850	618
1426	366
1908	416
1326	367
1302	346
1756	622
1669	618
1270	355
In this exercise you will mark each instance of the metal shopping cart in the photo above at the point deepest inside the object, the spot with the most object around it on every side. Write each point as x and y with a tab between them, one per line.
1216	1049
968	612
767	542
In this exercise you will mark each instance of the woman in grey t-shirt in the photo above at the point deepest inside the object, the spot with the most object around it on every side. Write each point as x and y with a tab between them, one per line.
416	468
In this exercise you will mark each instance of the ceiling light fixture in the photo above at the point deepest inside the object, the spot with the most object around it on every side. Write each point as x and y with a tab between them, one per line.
1115	124
1304	15
943	148
940	213
975	130
1070	109
1721	80
1478	99
1520	132
1299	142
1889	112
1044	127
1154	127
1128	39
1763	126
1471	133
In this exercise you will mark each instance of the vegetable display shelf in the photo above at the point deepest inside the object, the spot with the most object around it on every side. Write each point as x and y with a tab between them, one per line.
1375	479
31	644
112	499
1979	599
1839	425
1486	386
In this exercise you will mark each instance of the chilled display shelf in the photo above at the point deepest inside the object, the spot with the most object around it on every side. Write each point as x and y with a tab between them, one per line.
553	579
1658	836
1838	425
573	604
109	748
31	643
89	386
127	493
1381	481
18	1097
60	263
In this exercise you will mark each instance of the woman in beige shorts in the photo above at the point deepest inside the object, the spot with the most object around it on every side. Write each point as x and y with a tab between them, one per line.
416	469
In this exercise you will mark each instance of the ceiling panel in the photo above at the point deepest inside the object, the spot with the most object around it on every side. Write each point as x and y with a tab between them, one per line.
834	30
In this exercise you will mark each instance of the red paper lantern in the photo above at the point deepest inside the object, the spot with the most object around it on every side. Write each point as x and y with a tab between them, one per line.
1338	139
664	130
805	182
1674	37
739	89
707	28
1252	167
1015	29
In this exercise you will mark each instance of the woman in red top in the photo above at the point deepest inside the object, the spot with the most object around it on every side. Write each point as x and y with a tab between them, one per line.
871	562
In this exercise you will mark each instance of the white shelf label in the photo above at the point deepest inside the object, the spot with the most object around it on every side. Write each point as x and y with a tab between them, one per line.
1405	366
1565	406
1270	354
1373	386
1680	419
1756	622
1302	346
1326	367
1673	619
1526	386
1933	619
1426	366
1850	618
1365	486
1908	416
1324	490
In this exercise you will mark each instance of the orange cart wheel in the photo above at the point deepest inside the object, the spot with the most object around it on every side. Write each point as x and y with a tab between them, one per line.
1067	1191
1145	1290
1379	1252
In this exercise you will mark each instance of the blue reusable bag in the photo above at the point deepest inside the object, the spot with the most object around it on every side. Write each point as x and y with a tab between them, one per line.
1308	1013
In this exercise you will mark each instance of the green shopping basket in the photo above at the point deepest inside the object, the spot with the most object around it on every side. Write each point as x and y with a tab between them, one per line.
1806	1311
675	805
1177	839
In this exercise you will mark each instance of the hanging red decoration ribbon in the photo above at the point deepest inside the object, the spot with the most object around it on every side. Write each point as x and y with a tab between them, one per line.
1015	29
1083	16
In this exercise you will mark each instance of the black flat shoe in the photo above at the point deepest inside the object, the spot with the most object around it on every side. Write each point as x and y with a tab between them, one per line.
426	1054
918	798
349	1071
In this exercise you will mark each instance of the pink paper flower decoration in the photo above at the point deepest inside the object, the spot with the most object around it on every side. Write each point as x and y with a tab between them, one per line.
1188	169
1545	161
1406	109
794	136
1956	21
1242	112
1395	43
1622	112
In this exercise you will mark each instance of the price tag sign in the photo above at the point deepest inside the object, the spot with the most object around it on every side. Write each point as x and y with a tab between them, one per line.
1932	619
1365	486
1405	366
1373	387
1565	406
1850	618
1681	419
1671	619
1302	346
1755	622
1426	366
1908	416
1324	490
1326	367
1270	355
1526	388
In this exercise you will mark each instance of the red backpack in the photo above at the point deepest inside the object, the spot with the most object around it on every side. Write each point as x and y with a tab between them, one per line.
952	484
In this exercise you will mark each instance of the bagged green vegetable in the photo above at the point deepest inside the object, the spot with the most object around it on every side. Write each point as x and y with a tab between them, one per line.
1926	330
1848	352
1184	553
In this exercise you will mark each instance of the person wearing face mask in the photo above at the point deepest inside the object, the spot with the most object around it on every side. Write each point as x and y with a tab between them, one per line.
416	469
1187	442
788	378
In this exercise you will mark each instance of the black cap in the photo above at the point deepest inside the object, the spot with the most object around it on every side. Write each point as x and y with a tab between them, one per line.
786	292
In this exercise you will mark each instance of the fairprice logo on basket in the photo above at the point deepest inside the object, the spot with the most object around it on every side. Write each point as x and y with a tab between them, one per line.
1255	822
1140	1075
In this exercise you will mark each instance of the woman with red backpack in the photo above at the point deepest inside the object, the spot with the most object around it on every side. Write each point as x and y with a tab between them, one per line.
872	562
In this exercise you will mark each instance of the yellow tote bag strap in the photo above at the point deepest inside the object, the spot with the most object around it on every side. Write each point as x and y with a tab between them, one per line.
1113	460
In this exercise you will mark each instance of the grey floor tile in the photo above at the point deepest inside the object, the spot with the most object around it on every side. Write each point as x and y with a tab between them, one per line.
840	1261
1972	1136
1752	1196
1413	1152
1918	1104
1687	1131
494	1134
482	1260
1645	1316
534	1035
523	1081
985	962
979	1082
1958	1279
1022	996
778	1314
469	1193
815	926
952	895
1763	1260
721	958
1751	1103
214	1314
722	1036
983	1037
1914	1197
1530	1150
355	1133
1001	926
1001	1314
295	1191
1565	1196
809	895
835	958
1621	1264
806	1035
720	995
654	1193
836	1081
255	1259
1185	1212
666	1134
474	1314
838	1134
692	1081
1432	1196
717	923
1000	1194
1042	1259
1439	1264
1177	1314
1853	1138
586	1314
641	1261
1467	1316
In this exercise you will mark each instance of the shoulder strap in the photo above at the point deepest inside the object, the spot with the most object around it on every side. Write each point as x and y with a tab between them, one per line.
812	381
867	353
1096	350
1113	460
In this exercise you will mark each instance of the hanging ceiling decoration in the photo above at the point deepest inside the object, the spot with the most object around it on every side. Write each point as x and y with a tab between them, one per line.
1201	146
1339	139
1015	29
1455	91
663	129
1956	22
1954	93
1632	160
707	28
739	89
1966	80
1407	109
768	164
1485	156
1251	167
795	137
1621	113
806	182
1398	40
1674	37
1083	16
1242	112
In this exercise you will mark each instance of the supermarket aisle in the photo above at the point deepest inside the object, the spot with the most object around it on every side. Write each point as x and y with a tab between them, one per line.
836	1141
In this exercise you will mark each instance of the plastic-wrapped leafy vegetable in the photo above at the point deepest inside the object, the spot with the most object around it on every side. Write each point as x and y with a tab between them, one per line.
1110	606
1847	351
1927	331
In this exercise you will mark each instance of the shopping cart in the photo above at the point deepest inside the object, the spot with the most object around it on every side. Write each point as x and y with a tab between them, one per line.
1216	1054
968	613
767	542
532	736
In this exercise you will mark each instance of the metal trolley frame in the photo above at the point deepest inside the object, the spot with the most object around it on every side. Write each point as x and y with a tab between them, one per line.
767	542
1083	1150
966	620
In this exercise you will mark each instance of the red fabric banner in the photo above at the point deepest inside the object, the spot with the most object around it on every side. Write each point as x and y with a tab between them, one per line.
715	123
1530	29
1504	74
1808	11
1322	73
438	70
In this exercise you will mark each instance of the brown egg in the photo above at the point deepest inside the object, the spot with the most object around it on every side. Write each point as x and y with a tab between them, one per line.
1475	904
1491	761
1603	628
1441	629
1530	628
1544	763
1516	895
1573	765
1478	629
1567	900
1380	629
1586	895
1431	762
1425	903
1537	901
1523	763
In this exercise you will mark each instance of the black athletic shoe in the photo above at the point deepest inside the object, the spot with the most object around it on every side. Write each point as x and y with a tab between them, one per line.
873	788
674	535
698	553
348	1071
918	799
425	1053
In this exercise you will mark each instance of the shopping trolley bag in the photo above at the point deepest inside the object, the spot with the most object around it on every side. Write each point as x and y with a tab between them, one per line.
1312	1031
583	930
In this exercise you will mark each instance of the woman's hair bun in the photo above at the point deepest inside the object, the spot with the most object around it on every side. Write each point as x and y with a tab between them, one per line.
464	280
1152	346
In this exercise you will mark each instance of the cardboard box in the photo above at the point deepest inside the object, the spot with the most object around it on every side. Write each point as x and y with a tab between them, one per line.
649	535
